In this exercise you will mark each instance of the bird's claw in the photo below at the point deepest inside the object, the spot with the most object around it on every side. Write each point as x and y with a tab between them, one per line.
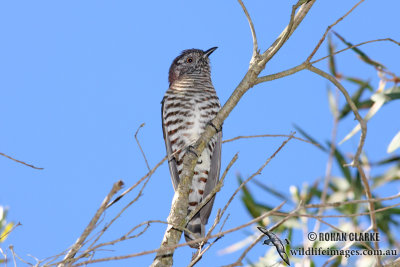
192	150
215	127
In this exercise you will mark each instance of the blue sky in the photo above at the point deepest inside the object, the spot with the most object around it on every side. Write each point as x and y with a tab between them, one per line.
79	77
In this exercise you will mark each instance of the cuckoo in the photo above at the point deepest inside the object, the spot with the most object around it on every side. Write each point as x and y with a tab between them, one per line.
189	104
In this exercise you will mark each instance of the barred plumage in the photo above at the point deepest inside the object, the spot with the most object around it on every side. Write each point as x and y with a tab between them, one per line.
188	105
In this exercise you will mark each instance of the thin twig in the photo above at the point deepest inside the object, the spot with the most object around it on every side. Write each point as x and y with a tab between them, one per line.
127	236
267	135
371	209
4	235
256	173
329	164
281	74
341	203
348	245
295	214
107	226
257	219
350	47
24	163
338	216
238	262
353	107
5	257
200	254
149	174
245	182
329	28
253	32
147	178
78	244
341	231
140	147
303	66
294	21
15	255
272	212
216	189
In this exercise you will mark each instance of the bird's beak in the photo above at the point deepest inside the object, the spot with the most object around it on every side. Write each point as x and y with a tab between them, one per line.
208	52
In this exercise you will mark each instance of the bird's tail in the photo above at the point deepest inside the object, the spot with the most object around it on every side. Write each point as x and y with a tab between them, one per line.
197	228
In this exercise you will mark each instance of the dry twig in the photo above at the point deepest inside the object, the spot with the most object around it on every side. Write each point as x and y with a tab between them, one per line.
24	163
140	147
267	135
184	244
78	244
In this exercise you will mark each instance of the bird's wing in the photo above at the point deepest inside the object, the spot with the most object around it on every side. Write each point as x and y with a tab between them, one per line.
213	178
171	159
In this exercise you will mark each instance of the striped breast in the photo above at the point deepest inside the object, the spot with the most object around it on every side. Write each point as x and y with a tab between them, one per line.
188	105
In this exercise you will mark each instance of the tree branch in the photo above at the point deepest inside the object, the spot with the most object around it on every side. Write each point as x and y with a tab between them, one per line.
180	200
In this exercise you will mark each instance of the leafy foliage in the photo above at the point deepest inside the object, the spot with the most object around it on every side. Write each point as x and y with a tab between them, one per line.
347	185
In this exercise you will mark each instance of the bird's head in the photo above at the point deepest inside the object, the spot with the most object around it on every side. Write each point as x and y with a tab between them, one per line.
191	61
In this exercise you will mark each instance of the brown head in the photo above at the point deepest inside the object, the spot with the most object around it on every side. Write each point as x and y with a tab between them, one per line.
191	61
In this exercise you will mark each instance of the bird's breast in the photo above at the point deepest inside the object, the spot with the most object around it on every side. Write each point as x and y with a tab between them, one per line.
186	112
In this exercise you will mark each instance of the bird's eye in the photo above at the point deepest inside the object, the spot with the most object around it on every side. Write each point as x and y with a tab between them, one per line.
189	60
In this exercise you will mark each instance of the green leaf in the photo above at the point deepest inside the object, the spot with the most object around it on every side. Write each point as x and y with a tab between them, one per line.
384	219
394	144
309	138
356	99
271	190
379	100
255	209
341	162
332	104
365	104
388	160
248	201
378	103
361	54
360	82
331	50
357	187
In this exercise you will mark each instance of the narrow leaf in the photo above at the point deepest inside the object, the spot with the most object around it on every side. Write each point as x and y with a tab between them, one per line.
341	163
308	137
388	160
332	104
394	144
360	82
270	190
331	50
6	231
361	54
356	99
379	99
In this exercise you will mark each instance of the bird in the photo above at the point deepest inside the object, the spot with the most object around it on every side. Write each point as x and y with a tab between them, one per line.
188	106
